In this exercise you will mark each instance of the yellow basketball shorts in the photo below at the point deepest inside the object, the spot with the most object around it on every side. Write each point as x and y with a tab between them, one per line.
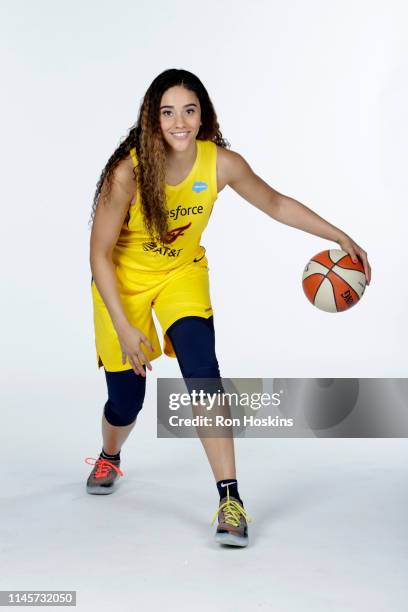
174	294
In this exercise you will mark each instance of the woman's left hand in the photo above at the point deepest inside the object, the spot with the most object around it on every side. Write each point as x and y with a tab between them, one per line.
355	251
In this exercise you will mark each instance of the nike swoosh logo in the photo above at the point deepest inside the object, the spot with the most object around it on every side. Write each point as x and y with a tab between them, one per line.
229	484
200	258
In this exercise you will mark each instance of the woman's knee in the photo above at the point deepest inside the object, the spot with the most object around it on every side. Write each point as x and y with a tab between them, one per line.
126	392
193	339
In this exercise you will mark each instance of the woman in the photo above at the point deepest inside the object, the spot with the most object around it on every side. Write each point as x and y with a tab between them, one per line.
152	203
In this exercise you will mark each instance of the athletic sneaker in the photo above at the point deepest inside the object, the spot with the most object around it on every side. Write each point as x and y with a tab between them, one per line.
102	479
232	522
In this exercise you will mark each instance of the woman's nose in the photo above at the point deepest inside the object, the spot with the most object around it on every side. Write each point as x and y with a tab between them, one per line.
179	119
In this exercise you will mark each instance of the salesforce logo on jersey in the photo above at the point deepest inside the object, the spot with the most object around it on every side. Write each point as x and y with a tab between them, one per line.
199	186
183	211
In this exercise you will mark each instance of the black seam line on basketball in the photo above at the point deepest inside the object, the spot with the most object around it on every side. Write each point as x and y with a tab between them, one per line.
346	268
344	257
336	262
324	265
338	276
314	301
334	293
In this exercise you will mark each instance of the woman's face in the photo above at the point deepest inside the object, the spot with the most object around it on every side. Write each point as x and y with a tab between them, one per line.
180	113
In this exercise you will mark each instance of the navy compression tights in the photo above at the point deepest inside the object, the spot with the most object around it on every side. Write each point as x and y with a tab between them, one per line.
194	344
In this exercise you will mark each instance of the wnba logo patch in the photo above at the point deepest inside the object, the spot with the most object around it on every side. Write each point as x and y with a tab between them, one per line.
199	186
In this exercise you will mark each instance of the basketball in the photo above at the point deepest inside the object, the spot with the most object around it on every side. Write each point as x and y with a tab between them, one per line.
332	281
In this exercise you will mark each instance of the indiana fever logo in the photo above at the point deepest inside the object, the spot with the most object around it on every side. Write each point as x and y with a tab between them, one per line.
171	236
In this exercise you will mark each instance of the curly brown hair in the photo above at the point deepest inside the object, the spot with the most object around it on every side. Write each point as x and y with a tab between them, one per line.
147	137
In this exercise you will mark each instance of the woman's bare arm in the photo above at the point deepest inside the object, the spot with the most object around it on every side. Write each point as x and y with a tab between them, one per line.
107	223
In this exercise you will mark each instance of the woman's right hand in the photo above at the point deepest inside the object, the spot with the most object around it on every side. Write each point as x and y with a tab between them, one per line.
131	340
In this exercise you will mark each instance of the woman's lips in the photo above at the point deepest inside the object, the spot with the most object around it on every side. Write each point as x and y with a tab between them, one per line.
181	135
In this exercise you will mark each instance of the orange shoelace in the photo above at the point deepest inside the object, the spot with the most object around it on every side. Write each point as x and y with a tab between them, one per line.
103	467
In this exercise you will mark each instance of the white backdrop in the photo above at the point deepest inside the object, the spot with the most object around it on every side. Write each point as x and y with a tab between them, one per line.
314	96
311	94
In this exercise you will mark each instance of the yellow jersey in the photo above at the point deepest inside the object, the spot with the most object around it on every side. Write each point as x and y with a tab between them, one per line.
189	205
172	278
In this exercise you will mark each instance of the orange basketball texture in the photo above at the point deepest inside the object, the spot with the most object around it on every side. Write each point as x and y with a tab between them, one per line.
332	281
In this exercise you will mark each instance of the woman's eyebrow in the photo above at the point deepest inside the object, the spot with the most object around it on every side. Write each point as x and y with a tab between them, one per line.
168	105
